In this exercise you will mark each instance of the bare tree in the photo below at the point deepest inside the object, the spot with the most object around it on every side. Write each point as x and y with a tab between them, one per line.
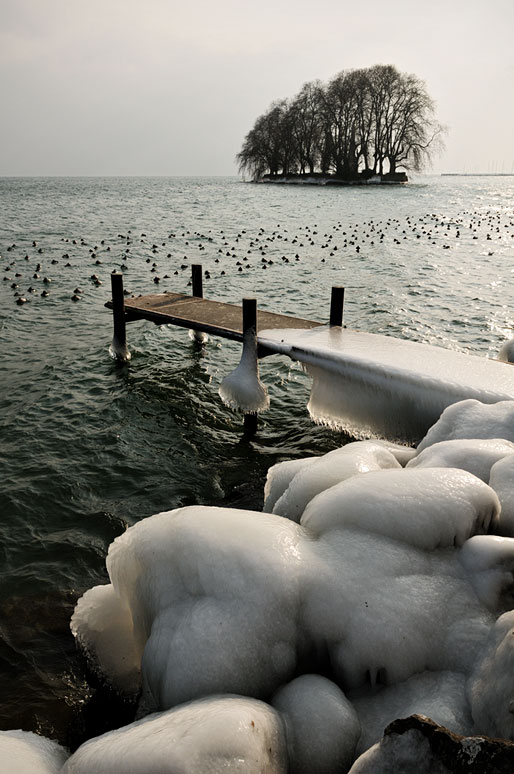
306	110
363	122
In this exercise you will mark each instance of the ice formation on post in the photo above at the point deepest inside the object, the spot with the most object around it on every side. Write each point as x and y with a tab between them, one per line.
242	389
380	567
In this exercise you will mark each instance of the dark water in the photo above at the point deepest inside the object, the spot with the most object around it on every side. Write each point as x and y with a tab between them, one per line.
89	446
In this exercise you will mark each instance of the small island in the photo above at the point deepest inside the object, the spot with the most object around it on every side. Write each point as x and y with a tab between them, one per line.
365	126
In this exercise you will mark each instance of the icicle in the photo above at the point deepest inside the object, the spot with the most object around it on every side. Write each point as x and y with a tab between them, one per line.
242	389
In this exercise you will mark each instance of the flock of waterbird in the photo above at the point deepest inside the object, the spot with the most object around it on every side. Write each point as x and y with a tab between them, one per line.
33	270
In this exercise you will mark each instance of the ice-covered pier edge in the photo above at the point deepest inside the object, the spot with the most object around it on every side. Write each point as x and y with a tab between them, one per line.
370	384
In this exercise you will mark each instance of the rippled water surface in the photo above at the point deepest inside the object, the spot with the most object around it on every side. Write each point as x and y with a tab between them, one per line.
89	446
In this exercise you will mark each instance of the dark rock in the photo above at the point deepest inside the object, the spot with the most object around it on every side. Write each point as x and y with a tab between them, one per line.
419	745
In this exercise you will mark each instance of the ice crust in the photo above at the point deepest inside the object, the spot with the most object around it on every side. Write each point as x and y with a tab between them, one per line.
22	752
371	384
379	567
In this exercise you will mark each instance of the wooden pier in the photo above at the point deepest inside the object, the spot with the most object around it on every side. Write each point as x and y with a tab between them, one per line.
203	315
230	321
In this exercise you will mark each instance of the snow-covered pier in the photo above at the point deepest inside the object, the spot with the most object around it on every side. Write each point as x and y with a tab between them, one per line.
364	383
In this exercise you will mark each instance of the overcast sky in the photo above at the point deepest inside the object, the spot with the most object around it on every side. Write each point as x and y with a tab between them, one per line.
171	87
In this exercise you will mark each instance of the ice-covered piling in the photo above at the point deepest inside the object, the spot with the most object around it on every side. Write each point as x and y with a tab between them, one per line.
242	389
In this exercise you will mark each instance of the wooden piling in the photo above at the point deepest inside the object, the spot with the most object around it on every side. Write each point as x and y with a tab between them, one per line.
337	305
118	348
196	276
250	329
249	315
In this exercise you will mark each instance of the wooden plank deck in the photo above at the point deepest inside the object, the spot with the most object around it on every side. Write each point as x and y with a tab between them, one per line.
201	314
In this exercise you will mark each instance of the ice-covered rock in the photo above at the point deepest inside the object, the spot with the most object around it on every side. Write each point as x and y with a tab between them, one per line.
22	752
322	727
489	560
279	477
491	687
103	625
388	585
210	735
438	695
472	419
427	508
337	465
417	744
402	453
213	595
476	455
506	353
502	481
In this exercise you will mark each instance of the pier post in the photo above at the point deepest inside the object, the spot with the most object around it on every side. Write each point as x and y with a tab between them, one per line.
118	349
250	329
196	277
197	283
336	305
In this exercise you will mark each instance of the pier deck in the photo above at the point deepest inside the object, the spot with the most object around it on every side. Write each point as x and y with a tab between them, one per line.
201	314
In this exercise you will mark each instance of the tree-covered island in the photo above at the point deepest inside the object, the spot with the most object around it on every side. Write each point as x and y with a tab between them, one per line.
370	124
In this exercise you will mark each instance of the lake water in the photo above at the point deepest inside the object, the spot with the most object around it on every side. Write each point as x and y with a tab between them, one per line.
90	446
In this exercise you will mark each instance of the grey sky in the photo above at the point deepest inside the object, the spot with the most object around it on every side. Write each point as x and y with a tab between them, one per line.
161	87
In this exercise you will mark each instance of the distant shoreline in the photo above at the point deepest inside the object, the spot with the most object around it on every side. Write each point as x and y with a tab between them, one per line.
477	174
399	178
